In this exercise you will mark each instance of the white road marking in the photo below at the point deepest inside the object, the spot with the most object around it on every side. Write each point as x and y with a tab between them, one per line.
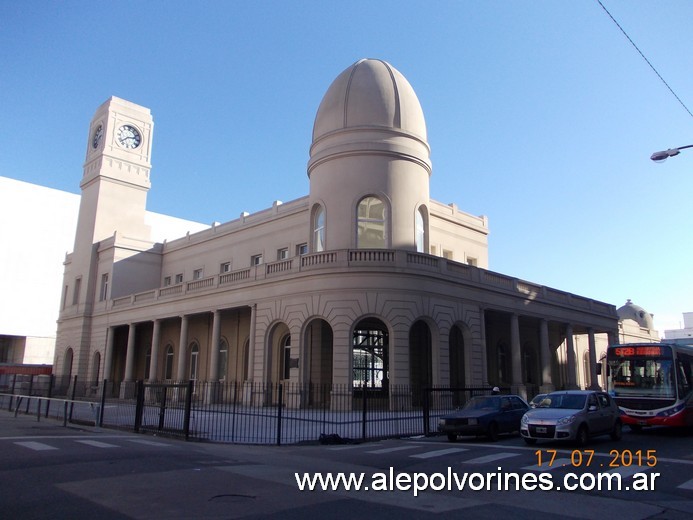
437	453
97	444
491	458
36	446
390	450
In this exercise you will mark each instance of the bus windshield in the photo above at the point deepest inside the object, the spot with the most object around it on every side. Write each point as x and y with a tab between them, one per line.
642	377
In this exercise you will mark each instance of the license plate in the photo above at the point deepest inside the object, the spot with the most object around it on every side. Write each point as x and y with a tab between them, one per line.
541	429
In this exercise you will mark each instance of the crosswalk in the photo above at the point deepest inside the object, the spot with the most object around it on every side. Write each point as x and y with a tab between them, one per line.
464	457
63	444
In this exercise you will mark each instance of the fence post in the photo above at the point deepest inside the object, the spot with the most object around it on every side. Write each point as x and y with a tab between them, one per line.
14	383
103	402
280	398
426	411
139	404
72	398
162	407
188	408
364	413
50	393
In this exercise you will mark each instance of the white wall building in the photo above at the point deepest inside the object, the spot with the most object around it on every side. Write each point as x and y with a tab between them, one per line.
684	335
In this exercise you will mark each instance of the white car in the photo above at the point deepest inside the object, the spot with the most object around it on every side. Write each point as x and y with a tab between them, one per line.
573	415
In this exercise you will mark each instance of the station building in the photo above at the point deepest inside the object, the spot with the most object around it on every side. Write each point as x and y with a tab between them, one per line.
364	281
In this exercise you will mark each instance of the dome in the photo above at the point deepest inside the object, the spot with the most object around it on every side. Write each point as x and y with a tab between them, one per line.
370	106
630	311
370	93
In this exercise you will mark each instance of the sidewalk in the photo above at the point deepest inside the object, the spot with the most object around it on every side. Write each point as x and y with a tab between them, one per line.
28	426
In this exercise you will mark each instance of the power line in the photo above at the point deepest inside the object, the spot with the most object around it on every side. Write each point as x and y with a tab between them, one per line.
644	58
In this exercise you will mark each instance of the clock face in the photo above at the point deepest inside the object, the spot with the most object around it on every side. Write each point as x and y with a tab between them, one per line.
128	137
98	135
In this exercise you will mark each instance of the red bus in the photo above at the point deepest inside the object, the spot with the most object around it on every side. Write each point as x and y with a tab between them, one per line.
652	383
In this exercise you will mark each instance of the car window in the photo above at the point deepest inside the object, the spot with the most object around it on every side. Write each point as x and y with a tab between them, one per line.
505	403
517	403
482	403
603	400
592	401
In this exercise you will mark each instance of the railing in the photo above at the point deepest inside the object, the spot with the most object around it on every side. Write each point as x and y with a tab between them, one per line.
250	412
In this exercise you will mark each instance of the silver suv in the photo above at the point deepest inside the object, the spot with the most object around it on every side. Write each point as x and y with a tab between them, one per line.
572	415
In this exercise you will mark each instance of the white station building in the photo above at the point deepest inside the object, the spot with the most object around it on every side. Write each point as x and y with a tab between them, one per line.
365	280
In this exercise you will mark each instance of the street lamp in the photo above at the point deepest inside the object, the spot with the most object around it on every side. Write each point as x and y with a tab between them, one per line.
665	154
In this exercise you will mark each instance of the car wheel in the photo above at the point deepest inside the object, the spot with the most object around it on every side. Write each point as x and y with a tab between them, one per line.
529	442
452	437
582	436
635	428
617	432
493	431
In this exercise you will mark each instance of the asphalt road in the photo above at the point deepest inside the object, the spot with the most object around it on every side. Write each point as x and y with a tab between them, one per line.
48	471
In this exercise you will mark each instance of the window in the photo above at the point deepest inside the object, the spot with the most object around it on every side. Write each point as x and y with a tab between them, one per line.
420	232
302	249
447	254
370	225
472	261
168	366
167	281
319	230
225	267
65	296
256	260
197	274
283	254
104	287
433	250
75	294
194	360
179	278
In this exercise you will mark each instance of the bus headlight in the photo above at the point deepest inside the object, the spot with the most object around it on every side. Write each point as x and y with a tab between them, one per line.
671	411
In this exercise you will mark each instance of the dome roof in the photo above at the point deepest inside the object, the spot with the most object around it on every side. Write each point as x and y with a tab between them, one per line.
370	93
630	311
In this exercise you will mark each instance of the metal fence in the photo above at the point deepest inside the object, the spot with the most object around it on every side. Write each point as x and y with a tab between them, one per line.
246	412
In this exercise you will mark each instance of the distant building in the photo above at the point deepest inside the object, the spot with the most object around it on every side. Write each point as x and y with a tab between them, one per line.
37	228
364	281
682	336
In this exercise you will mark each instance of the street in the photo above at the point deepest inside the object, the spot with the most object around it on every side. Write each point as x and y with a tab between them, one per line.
57	472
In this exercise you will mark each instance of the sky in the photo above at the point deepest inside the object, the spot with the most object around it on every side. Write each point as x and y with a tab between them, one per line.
540	114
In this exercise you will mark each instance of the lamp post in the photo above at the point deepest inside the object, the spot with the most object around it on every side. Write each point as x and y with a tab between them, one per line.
665	154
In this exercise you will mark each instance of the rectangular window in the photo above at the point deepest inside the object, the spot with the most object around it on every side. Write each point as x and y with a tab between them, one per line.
167	281
104	287
283	254
447	254
65	296
225	267
302	249
471	261
75	294
433	250
197	274
179	278
256	260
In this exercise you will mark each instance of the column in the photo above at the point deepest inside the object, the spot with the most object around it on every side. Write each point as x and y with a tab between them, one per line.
545	353
250	397
570	357
130	356
518	386
484	348
594	384
154	361
182	348
213	394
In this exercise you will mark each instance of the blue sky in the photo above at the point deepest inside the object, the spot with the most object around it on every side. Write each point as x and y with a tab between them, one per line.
540	114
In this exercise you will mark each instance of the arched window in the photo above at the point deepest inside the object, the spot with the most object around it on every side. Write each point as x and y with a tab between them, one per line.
319	230
194	359
168	370
223	359
371	224
420	232
370	356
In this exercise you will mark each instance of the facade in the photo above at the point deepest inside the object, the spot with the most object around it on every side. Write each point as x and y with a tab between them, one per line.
365	281
682	336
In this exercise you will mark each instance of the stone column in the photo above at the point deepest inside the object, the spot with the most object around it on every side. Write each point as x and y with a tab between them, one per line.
545	352
213	376
484	348
249	397
594	384
518	385
154	359
182	348
570	358
130	356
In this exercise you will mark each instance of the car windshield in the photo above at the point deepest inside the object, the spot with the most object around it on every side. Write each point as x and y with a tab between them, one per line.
483	403
572	402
